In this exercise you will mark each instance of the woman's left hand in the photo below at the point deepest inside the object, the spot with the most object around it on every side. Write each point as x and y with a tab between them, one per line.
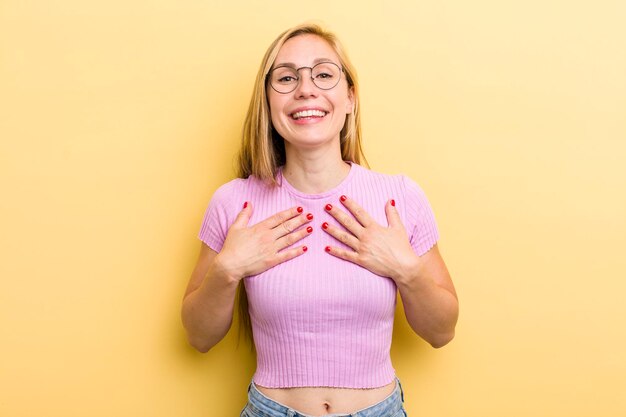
385	251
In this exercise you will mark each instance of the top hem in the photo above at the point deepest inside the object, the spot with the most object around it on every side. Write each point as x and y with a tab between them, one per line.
372	385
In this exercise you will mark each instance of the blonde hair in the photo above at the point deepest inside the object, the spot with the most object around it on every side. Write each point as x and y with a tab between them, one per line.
262	149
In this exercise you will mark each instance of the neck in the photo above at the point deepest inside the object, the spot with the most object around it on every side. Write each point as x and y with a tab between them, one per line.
316	171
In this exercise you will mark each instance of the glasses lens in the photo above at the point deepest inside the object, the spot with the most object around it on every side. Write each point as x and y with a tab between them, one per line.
326	75
284	79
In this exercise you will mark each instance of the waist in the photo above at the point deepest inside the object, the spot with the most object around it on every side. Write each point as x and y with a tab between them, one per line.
324	360
321	401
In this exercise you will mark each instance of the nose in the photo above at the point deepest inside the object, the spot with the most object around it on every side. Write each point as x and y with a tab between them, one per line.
306	87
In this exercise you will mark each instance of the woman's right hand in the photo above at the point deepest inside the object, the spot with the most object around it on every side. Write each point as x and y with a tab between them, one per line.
251	250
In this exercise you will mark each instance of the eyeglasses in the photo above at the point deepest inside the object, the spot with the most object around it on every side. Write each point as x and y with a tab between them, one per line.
325	75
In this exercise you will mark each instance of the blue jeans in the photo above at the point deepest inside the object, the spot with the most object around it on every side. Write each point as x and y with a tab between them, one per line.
261	406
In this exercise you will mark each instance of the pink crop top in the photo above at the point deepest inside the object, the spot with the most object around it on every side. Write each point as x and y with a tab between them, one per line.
319	321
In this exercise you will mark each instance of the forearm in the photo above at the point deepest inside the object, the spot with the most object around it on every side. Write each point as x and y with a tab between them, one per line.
431	309
429	298
207	312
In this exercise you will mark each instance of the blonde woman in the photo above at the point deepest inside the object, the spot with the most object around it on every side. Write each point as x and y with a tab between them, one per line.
318	246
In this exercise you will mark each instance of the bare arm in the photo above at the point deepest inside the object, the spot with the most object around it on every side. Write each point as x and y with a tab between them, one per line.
208	305
429	298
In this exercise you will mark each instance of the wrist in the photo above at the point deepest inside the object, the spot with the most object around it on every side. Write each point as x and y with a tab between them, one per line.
225	270
407	273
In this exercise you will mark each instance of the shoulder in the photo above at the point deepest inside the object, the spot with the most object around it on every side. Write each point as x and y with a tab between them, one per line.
238	187
401	181
397	186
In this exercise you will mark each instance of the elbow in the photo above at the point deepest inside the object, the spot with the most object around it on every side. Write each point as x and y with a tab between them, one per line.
441	340
202	346
197	338
199	341
202	349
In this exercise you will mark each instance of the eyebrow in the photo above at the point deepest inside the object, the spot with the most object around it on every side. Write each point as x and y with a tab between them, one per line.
315	62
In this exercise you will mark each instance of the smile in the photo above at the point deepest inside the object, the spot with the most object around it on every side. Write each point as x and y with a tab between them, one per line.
308	114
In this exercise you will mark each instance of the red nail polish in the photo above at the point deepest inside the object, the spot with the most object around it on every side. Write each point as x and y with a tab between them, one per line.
325	225
343	198
329	207
393	203
309	229
327	249
304	249
245	204
309	216
300	209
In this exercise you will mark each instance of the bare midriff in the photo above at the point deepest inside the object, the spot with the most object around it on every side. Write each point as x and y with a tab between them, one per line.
320	401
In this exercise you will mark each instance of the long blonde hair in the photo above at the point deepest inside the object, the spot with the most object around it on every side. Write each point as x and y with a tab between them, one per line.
262	149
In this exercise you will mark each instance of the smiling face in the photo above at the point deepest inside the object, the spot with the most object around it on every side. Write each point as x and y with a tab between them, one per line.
309	116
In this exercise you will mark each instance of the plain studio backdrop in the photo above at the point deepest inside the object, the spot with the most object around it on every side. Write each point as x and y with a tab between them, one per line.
118	120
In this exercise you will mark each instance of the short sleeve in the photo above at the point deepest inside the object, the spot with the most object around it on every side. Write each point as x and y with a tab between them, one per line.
217	218
421	225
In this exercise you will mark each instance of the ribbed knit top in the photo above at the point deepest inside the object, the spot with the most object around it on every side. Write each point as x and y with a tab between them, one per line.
317	320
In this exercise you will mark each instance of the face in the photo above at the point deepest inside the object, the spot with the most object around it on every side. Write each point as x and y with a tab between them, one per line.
309	116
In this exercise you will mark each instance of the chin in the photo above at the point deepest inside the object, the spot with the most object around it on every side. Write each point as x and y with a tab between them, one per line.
309	142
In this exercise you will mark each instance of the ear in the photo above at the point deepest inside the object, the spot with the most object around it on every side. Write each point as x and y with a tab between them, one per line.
351	100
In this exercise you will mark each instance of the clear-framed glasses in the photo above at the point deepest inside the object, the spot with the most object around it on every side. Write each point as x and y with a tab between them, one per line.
285	79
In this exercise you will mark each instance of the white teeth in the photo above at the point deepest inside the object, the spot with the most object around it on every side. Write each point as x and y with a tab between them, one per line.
308	113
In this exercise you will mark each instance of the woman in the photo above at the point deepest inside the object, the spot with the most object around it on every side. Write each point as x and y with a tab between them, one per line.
320	245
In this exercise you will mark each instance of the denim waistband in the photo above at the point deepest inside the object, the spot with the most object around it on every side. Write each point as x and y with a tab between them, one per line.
263	406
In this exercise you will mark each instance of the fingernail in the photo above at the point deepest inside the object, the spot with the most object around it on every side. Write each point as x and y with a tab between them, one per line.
300	209
393	203
309	216
327	249
245	204
343	198
329	207
309	229
325	225
304	249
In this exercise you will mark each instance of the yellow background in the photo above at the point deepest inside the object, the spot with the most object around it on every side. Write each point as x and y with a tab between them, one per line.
119	119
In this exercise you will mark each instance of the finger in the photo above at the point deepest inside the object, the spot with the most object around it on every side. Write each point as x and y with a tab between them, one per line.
393	217
282	216
243	218
346	255
287	255
357	211
292	224
346	221
293	237
341	235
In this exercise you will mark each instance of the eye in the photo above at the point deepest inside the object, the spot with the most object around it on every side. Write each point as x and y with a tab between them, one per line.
326	72
284	75
324	75
286	79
